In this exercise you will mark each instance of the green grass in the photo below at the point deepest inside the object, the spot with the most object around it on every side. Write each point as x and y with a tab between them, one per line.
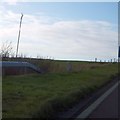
43	95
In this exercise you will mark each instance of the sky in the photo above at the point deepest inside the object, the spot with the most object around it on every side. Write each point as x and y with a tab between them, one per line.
62	30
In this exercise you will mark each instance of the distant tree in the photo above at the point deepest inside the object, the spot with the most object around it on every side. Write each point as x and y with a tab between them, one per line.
114	60
12	55
6	49
95	59
111	60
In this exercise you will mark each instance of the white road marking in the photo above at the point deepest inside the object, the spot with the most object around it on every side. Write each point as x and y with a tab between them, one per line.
94	105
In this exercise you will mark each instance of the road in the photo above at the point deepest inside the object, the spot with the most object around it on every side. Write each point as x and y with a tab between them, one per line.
106	106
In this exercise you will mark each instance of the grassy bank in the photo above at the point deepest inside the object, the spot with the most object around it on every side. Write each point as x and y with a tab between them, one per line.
59	66
43	95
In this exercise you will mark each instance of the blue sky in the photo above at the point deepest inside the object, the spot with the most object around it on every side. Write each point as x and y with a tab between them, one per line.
107	11
79	31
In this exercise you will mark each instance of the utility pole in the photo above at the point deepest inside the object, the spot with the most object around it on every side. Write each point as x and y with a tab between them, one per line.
19	34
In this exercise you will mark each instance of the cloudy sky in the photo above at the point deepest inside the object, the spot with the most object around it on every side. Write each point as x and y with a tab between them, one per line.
74	31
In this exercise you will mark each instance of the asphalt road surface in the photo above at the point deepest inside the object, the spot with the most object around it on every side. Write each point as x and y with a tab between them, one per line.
109	107
106	106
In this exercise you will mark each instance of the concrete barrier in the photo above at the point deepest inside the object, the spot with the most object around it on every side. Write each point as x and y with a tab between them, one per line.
18	68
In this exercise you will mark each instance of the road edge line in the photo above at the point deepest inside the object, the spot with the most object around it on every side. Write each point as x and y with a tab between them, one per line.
94	105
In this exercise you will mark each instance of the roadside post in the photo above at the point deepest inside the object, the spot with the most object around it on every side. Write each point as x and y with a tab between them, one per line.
119	55
69	67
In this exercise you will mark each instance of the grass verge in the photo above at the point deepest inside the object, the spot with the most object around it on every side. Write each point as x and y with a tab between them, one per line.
42	96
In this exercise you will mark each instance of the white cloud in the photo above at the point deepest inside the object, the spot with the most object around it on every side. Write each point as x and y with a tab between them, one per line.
61	39
12	2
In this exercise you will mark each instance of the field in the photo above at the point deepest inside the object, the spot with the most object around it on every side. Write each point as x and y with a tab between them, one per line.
59	66
43	95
